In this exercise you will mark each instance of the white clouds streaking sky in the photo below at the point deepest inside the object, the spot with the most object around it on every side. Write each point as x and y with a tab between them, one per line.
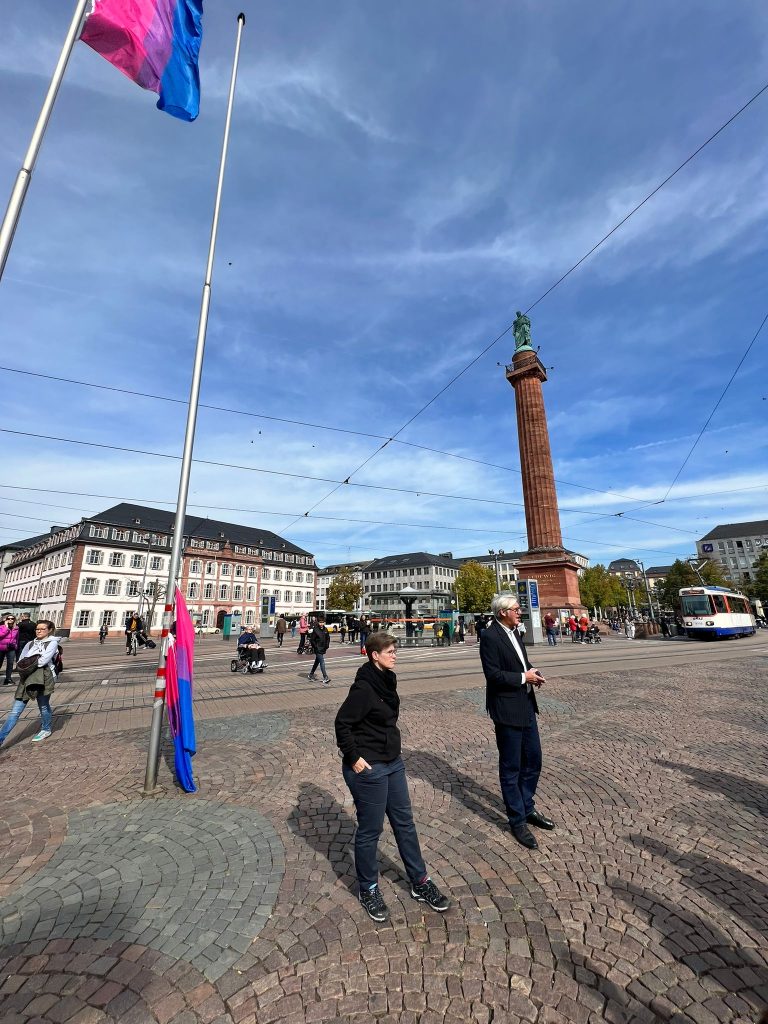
401	179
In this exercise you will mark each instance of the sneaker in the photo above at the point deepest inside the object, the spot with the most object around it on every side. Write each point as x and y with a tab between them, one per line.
427	892
327	680
373	904
42	735
310	676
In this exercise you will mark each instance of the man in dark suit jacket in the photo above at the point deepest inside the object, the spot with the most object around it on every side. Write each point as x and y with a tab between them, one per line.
510	700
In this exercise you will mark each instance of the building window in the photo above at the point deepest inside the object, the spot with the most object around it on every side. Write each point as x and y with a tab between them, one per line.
252	572
94	557
237	592
208	592
265	574
132	588
278	574
249	617
84	619
278	595
239	571
193	590
226	569
210	569
251	594
288	576
90	585
107	618
112	588
99	531
137	561
195	566
117	558
121	535
155	563
223	592
206	619
308	597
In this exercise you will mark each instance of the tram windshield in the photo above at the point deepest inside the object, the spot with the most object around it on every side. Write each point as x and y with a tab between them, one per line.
696	604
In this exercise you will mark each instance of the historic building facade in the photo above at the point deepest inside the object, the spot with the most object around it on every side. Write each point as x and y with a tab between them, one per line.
736	546
432	575
99	570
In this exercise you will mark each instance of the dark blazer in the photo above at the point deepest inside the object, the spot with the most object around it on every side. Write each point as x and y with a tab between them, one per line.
506	701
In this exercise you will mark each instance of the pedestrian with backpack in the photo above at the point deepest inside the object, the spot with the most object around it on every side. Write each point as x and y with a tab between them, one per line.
37	678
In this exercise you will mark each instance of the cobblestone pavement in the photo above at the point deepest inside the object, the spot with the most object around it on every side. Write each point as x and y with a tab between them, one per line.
238	906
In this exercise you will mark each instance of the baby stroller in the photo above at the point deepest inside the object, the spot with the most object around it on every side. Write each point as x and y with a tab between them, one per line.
593	635
250	658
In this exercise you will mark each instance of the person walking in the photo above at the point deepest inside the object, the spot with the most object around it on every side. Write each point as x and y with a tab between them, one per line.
292	627
303	630
549	627
369	741
460	627
104	631
37	679
343	629
9	638
321	640
27	632
354	628
280	629
364	631
510	700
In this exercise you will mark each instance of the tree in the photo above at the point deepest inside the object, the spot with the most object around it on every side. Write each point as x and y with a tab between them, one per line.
682	575
757	589
475	586
599	588
344	591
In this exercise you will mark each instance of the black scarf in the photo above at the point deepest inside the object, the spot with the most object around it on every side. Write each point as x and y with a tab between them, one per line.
382	682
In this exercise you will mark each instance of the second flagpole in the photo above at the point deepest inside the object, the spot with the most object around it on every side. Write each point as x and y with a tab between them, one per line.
158	706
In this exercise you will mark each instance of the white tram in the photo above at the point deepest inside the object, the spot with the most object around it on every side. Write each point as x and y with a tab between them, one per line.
713	612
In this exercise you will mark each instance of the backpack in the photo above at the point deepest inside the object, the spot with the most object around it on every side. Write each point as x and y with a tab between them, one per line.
58	663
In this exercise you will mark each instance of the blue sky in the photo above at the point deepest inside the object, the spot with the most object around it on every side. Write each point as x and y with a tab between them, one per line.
401	179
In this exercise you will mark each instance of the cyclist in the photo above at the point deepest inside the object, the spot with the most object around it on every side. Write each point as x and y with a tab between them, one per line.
103	633
134	628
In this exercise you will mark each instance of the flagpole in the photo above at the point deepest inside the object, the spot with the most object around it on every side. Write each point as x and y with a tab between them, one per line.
153	754
23	178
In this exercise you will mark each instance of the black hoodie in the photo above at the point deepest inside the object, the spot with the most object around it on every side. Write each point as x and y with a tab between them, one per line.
366	724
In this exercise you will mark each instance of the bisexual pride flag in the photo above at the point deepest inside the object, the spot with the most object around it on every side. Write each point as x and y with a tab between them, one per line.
155	43
178	695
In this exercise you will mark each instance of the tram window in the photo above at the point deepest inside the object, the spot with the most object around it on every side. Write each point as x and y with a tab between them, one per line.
720	605
696	604
737	605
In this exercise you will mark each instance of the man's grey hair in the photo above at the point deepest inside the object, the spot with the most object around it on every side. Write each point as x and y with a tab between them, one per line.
501	603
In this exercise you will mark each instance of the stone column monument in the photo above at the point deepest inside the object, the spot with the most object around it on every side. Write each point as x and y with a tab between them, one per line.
546	559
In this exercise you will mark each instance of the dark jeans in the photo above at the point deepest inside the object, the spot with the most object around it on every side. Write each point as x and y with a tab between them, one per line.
319	660
302	643
551	638
380	790
519	768
10	660
363	638
280	639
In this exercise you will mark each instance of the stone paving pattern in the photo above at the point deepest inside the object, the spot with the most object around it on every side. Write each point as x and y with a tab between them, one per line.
238	906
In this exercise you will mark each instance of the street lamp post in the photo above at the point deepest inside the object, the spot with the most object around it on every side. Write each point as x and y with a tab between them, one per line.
647	590
495	555
144	577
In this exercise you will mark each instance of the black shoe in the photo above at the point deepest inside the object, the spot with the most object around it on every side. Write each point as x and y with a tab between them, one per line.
311	677
327	680
525	837
427	892
539	821
373	904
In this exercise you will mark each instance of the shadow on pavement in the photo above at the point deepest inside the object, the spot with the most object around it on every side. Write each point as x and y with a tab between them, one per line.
440	774
747	792
320	820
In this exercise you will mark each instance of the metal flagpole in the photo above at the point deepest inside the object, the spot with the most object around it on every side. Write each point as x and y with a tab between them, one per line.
23	178
153	754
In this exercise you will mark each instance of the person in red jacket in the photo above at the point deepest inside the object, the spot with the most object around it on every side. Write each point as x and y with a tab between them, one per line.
573	626
583	627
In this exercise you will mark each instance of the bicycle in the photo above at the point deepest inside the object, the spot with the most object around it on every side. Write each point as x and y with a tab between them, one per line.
133	644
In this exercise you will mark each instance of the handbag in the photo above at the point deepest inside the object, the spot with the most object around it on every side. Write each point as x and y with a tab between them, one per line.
26	666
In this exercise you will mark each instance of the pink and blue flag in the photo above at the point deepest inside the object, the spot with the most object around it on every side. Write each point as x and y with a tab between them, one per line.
156	43
178	695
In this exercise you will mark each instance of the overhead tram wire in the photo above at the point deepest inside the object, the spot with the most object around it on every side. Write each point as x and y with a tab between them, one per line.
295	476
297	423
568	273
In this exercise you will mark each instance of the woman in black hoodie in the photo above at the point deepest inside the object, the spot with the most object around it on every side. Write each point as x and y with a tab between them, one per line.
369	740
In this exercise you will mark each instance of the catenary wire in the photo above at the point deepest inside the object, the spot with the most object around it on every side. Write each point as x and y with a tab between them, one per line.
298	423
256	511
301	476
570	271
